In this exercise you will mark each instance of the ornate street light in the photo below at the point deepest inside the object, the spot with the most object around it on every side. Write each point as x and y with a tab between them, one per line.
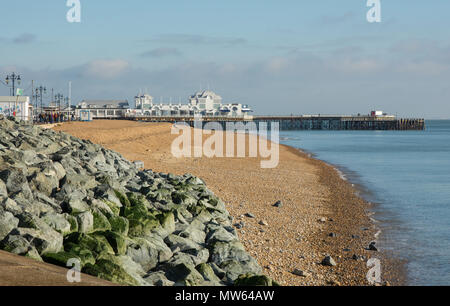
13	77
58	99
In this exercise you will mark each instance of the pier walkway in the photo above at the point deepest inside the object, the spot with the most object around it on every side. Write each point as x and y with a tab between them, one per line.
305	122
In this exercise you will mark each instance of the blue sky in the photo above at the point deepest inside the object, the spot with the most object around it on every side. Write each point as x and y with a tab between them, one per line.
281	57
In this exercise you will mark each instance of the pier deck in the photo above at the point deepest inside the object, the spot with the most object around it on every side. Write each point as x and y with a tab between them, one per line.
307	122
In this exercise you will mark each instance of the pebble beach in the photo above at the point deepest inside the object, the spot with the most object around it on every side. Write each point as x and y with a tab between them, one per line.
318	214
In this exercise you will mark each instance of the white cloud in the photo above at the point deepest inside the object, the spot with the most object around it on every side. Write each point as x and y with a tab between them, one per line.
106	69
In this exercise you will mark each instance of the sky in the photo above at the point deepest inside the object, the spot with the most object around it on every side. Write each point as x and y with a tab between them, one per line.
281	57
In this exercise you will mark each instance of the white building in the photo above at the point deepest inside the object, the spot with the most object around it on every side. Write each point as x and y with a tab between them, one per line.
205	103
102	109
19	106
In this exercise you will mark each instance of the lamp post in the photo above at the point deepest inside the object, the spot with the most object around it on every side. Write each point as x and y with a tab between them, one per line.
58	99
40	91
13	77
66	105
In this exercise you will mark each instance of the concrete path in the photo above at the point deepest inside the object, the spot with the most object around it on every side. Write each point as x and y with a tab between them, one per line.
20	271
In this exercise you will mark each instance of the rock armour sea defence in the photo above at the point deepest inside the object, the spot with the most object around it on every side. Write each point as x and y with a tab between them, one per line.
65	198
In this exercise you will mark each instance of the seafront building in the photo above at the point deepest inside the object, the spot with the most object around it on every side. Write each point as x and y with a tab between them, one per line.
205	103
88	110
18	106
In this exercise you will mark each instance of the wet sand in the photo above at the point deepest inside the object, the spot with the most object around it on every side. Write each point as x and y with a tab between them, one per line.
316	202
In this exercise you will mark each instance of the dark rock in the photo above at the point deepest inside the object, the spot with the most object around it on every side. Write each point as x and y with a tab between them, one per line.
16	181
255	280
158	279
372	247
301	273
208	273
328	261
185	275
278	204
7	223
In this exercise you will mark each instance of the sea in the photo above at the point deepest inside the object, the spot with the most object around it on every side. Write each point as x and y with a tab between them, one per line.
406	174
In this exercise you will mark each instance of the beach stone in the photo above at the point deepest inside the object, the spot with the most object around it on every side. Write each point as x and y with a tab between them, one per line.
100	222
45	240
182	244
58	222
85	222
220	234
19	245
239	225
16	181
148	253
167	221
192	257
185	275
74	203
7	223
263	222
278	204
45	182
11	206
119	225
158	279
250	215
208	273
301	273
194	234
59	170
254	280
328	261
372	247
222	251
3	189
79	181
332	235
110	270
234	269
357	257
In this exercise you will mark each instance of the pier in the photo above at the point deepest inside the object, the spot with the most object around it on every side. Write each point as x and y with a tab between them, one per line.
292	123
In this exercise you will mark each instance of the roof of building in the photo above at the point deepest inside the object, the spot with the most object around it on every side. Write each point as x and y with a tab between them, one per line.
205	94
14	99
107	103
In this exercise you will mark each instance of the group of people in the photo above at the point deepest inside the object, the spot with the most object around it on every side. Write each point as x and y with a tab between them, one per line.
54	118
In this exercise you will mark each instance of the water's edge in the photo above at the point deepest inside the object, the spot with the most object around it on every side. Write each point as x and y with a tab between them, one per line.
373	210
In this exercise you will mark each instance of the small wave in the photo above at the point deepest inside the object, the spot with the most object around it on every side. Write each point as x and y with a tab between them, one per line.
342	175
377	234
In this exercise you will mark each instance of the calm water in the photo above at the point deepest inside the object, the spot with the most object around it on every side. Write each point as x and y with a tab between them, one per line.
408	174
